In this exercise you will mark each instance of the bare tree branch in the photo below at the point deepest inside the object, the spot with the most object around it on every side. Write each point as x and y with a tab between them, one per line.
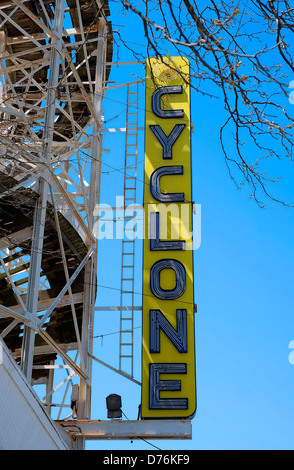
240	52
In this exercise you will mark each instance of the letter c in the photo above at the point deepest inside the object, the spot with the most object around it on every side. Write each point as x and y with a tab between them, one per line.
155	184
156	103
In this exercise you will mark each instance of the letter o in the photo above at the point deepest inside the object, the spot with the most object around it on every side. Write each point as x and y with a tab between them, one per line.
168	294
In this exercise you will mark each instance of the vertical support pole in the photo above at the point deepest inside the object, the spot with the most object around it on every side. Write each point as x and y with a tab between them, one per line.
43	188
91	267
49	387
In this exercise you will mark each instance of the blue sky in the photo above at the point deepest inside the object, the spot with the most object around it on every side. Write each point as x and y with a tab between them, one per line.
243	289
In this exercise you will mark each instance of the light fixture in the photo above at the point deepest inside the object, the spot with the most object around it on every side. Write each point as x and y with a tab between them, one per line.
113	404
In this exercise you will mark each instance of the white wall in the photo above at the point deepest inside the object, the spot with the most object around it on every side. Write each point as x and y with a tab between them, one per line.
24	424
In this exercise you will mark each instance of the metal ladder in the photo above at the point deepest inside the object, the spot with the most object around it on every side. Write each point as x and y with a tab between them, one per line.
126	341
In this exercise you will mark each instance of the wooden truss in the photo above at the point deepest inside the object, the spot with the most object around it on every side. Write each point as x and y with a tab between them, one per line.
53	68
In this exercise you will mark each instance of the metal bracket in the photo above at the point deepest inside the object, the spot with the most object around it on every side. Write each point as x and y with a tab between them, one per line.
34	321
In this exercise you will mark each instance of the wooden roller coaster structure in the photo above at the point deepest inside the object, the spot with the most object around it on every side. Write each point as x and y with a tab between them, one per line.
54	58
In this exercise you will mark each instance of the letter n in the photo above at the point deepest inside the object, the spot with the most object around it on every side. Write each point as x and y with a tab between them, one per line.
159	322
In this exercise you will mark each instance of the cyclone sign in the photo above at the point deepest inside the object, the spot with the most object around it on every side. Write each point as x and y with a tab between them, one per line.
168	338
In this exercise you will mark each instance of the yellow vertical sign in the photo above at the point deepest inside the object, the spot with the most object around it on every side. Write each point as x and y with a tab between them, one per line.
168	350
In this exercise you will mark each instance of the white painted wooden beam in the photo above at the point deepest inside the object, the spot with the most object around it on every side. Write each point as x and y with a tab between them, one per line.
120	429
